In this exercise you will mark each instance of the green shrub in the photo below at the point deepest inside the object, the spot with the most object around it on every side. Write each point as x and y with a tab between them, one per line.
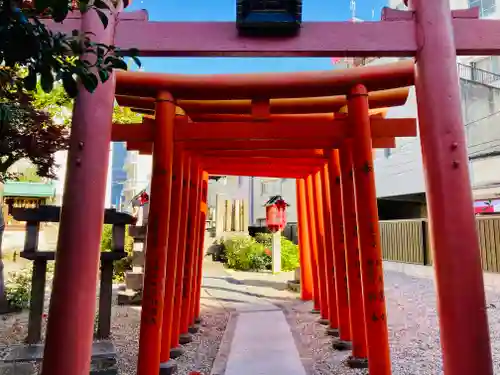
18	289
122	265
254	254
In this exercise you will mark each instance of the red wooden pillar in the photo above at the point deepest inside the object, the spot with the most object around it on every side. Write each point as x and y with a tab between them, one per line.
67	349
372	275
313	243
328	257
157	237
201	244
459	280
351	244
190	261
335	200
176	350
320	250
196	251
173	241
306	274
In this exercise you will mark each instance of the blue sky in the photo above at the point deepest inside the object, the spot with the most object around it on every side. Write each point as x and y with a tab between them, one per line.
224	10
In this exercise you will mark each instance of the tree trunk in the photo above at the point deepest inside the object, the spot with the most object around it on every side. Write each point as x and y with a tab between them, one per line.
4	306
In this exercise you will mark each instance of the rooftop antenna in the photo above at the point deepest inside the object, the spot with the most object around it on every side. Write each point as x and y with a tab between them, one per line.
352	5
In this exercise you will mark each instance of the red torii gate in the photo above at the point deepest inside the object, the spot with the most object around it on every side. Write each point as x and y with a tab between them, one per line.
430	32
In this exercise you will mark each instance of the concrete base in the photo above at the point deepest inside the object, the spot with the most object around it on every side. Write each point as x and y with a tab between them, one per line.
176	352
194	329
185	338
198	320
315	312
341	345
332	332
323	321
168	368
353	362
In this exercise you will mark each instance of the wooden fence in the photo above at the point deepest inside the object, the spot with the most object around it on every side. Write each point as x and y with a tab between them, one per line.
408	241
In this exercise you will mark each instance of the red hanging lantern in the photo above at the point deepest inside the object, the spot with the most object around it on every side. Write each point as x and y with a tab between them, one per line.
276	213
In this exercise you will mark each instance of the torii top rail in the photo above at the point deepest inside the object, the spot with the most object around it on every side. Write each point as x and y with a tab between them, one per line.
429	31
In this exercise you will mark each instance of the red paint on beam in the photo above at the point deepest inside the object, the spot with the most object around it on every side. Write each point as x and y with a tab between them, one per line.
329	104
333	129
269	85
313	243
133	132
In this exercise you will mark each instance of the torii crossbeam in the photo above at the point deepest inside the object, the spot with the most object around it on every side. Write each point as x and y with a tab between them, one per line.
429	31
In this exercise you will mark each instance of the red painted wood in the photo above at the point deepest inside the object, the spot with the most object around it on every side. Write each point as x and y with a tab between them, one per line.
68	349
378	99
157	240
173	244
332	129
456	253
191	259
181	255
306	276
200	245
329	264
339	256
310	207
351	243
372	276
270	85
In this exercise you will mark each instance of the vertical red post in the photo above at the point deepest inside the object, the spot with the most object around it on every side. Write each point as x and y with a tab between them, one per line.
313	243
306	275
157	238
351	244
335	200
196	252
68	350
189	262
328	257
372	275
320	248
201	244
176	350
459	280
173	240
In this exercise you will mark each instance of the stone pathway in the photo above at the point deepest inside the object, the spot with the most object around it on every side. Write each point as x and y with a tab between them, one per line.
261	341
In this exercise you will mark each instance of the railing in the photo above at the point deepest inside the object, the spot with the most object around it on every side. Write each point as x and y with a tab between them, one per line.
472	73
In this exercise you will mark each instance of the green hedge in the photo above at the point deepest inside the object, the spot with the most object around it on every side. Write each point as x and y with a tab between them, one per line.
246	253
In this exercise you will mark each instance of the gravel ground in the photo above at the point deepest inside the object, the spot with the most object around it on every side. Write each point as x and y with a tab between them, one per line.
199	354
413	330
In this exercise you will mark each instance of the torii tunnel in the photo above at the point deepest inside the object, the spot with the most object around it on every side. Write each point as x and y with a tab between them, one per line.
317	127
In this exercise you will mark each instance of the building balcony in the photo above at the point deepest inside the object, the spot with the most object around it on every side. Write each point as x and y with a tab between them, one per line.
477	75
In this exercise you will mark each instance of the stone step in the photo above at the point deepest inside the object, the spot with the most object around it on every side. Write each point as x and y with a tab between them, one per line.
294	286
134	280
17	369
129	297
103	354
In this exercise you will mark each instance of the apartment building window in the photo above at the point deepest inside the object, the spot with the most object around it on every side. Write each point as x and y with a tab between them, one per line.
271	187
486	7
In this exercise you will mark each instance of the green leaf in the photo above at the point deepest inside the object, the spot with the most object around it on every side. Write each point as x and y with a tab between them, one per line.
104	75
47	80
103	16
69	84
137	61
116	62
89	81
100	4
30	80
